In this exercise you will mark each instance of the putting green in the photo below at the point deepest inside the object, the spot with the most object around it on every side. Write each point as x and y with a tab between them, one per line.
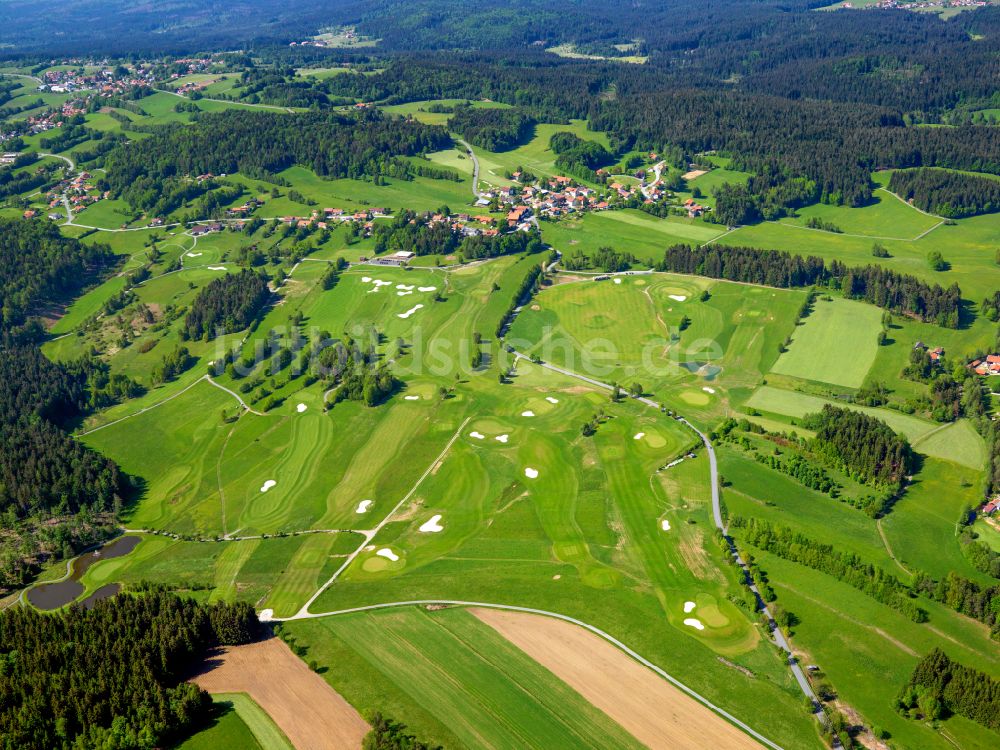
695	398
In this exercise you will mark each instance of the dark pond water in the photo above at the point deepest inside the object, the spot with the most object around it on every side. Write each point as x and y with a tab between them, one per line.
61	593
706	370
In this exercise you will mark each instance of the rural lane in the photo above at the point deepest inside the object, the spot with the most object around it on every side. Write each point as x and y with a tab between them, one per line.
475	168
779	637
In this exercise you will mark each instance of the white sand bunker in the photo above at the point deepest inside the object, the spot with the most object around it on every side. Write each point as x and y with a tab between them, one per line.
689	607
665	524
301	408
556	577
707	389
477	435
639	436
432	526
694	622
265	615
677	297
531	473
267	485
552	400
618	281
527	413
407	287
363	506
379	282
502	438
411	398
409	312
402	294
425	288
194	255
388	554
366	279
216	268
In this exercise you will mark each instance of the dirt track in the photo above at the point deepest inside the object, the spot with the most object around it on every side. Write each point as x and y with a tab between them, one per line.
308	711
650	708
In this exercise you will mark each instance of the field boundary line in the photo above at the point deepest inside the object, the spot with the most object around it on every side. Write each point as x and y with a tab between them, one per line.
145	408
371	533
565	618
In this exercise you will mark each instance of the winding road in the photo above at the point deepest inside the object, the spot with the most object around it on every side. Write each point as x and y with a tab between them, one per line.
779	637
475	168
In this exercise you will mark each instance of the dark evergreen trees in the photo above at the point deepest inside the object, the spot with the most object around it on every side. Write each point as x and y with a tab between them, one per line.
228	304
950	194
492	128
938	682
112	676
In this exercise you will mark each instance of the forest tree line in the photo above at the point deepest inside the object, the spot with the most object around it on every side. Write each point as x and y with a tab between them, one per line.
950	194
893	291
112	676
226	305
492	128
940	686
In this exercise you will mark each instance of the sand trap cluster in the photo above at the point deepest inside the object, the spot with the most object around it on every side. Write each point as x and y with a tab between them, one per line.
194	255
267	485
694	622
552	400
477	435
707	389
527	413
409	312
411	398
665	524
677	297
216	268
300	408
425	288
377	283
639	436
366	279
388	554
363	506
502	438
689	607
433	525
405	287
402	294
531	473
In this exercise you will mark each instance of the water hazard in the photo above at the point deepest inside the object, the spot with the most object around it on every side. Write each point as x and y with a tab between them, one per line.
60	593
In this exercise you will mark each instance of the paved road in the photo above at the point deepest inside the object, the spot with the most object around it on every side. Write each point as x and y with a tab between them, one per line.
779	637
545	613
475	169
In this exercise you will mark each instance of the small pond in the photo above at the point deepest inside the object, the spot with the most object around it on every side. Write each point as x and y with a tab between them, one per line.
60	593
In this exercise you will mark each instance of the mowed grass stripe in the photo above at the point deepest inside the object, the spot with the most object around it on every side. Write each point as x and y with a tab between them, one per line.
302	576
258	722
502	701
228	566
836	343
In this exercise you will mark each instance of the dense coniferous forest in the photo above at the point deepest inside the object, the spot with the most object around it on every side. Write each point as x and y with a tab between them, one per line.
261	143
949	194
226	305
38	265
112	676
492	128
940	686
879	286
863	446
42	469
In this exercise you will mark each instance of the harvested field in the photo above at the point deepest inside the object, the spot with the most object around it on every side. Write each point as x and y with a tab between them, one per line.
308	711
647	706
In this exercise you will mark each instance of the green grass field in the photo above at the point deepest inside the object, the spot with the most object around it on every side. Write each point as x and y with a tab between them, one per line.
238	722
835	344
483	689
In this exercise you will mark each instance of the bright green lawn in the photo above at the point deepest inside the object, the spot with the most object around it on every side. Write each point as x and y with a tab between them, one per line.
486	691
835	344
